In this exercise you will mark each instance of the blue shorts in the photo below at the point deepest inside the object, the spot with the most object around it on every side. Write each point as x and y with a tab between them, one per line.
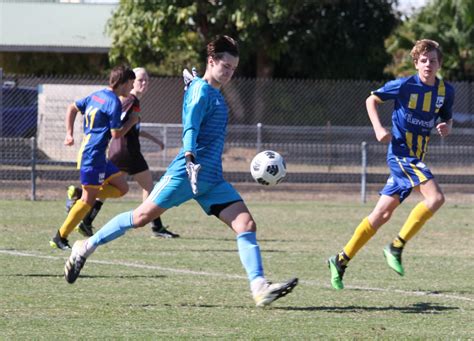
405	173
172	191
96	176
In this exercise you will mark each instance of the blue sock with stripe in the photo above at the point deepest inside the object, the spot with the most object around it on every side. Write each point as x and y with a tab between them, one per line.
249	253
113	229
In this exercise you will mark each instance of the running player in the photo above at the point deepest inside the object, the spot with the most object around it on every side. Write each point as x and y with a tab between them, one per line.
422	102
196	173
99	177
125	153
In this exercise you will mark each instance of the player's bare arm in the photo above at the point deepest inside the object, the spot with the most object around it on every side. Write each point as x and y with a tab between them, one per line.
133	119
381	133
70	119
445	128
152	138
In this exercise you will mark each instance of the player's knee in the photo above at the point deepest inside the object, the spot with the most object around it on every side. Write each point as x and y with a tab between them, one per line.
436	201
441	199
245	226
380	217
140	219
124	189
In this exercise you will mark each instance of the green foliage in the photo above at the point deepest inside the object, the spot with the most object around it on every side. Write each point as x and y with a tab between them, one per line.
340	40
299	38
450	23
144	33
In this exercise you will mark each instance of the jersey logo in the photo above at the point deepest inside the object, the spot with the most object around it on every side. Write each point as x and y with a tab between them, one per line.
439	102
217	102
420	165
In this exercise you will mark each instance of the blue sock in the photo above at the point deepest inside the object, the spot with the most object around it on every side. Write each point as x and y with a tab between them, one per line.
113	229
249	253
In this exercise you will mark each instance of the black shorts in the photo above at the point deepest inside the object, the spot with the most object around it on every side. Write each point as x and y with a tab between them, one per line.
130	163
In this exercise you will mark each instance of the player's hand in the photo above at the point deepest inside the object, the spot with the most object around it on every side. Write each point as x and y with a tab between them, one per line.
383	135
188	77
192	169
69	140
443	129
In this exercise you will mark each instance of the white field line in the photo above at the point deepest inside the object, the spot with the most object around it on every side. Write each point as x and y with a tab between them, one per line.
230	276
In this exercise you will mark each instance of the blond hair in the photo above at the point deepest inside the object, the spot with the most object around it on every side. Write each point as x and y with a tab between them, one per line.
139	69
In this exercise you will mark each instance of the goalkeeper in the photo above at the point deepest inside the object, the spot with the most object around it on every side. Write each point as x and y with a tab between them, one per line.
196	173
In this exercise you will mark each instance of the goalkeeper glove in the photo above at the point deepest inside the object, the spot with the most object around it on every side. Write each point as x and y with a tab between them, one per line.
192	168
188	77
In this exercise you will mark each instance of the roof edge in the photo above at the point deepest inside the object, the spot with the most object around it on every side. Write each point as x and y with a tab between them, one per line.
53	48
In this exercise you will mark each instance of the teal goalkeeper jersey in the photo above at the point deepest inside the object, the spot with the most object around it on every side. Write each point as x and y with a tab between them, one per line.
204	118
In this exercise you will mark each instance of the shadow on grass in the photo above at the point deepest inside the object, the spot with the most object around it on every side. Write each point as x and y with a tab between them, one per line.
233	250
417	308
229	239
85	276
202	305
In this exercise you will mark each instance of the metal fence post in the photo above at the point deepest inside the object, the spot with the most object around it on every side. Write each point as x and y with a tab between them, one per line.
363	178
1	102
259	137
33	168
165	142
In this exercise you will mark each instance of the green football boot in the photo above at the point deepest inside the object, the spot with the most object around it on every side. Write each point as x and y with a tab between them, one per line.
393	256
337	272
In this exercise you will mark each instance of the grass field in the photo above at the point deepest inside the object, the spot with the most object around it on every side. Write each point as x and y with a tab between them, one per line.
139	287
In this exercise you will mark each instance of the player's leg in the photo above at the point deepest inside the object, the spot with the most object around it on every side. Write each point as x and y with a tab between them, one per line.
363	233
411	173
77	212
85	227
73	194
115	186
145	180
224	202
237	217
167	193
112	230
433	200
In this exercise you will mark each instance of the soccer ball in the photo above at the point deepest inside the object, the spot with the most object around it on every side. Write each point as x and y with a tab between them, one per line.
268	168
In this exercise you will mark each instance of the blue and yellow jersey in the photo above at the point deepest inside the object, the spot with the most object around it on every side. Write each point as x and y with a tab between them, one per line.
416	110
102	111
204	130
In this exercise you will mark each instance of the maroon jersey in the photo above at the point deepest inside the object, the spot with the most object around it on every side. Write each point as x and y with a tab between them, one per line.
125	152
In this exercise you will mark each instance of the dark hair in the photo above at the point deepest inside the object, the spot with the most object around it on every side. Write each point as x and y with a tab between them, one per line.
119	75
221	45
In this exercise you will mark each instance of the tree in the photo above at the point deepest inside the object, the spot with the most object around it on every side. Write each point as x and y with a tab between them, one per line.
341	40
451	24
299	38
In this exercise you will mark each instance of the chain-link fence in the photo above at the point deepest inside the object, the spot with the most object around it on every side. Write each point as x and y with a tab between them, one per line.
320	127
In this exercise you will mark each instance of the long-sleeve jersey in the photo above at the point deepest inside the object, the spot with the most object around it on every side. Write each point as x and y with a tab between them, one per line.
205	117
